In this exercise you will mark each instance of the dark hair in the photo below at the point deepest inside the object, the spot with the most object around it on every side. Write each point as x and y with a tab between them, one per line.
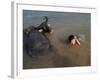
71	37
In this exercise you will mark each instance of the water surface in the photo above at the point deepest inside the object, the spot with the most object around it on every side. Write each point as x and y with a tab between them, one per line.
63	24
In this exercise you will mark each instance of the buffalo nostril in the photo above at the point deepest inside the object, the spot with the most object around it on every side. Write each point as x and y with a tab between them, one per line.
41	30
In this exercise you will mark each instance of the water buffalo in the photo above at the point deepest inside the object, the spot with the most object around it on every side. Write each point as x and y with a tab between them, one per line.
35	42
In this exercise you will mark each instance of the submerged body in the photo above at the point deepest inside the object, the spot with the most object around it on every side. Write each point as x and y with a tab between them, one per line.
73	40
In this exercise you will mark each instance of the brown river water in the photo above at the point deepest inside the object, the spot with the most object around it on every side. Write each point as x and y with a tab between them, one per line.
63	24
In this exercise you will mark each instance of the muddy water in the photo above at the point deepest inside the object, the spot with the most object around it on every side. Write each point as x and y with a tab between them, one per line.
63	54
